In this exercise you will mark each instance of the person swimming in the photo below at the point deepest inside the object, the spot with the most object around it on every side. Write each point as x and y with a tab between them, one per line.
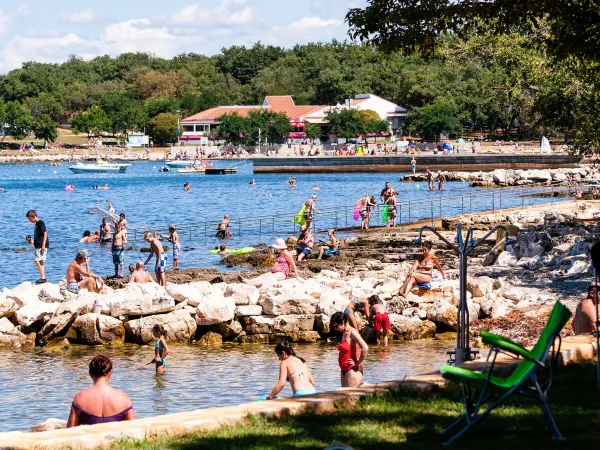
161	349
252	182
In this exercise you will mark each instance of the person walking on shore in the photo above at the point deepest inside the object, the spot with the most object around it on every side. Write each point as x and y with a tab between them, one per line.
40	243
161	258
174	239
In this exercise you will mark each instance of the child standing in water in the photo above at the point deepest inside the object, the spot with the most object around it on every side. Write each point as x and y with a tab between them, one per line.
161	349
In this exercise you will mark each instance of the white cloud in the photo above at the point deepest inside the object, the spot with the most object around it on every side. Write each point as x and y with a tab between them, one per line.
313	22
228	12
80	17
5	23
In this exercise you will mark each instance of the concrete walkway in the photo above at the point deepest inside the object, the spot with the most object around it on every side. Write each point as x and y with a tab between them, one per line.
573	348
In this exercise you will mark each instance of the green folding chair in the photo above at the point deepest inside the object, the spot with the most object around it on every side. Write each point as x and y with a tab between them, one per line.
480	388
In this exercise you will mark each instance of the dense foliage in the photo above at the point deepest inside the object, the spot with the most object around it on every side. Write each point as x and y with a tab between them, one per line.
486	82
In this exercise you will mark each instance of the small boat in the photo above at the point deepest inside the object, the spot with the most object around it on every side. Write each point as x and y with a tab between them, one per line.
179	163
213	171
100	166
164	169
191	170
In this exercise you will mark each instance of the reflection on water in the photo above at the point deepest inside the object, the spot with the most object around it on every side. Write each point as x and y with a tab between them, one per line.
39	385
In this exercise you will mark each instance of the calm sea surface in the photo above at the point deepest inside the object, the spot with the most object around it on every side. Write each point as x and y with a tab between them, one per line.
40	385
152	200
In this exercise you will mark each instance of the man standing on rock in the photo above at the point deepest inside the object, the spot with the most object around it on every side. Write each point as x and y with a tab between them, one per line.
40	243
80	275
584	321
140	275
156	248
386	192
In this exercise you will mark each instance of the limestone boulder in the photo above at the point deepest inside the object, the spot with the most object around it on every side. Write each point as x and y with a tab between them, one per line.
51	293
49	425
579	267
140	300
215	309
228	330
506	259
184	292
210	339
23	293
536	175
179	324
58	325
532	244
495	307
332	301
297	337
59	343
97	329
559	176
293	323
285	304
242	294
254	339
248	310
258	324
34	311
322	325
479	287
443	312
411	329
7	306
499	176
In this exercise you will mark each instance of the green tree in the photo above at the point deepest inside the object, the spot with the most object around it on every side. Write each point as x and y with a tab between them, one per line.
156	106
245	63
46	104
17	121
163	128
233	128
94	122
125	113
434	119
312	131
44	127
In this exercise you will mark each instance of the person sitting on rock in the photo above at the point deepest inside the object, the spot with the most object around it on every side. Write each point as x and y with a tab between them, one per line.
584	321
293	369
101	403
80	275
284	263
356	304
381	320
139	275
421	272
331	248
305	243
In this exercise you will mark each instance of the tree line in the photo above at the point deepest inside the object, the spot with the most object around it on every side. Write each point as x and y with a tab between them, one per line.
484	81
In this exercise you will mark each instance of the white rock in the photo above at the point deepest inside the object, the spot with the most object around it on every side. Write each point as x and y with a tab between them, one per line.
6	326
292	323
215	309
132	301
579	267
179	324
258	324
499	176
22	294
248	310
185	292
529	263
332	301
243	294
494	307
51	293
506	259
7	306
97	329
330	274
559	176
290	304
49	425
442	311
34	311
478	287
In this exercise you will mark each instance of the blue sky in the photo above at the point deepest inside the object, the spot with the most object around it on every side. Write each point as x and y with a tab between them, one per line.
50	31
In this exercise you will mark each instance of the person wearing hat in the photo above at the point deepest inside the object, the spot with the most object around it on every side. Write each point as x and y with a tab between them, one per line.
284	262
305	243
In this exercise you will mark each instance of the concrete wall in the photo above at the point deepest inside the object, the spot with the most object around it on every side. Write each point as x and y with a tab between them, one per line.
402	163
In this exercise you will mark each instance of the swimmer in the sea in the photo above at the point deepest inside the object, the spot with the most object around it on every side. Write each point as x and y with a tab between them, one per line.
186	186
252	182
223	250
316	188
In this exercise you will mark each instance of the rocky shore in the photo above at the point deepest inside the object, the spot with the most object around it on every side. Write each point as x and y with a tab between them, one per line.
510	177
510	290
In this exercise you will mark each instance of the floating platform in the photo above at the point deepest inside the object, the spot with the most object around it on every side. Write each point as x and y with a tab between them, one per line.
213	171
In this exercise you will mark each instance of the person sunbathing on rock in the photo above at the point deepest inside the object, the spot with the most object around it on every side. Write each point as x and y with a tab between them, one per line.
421	272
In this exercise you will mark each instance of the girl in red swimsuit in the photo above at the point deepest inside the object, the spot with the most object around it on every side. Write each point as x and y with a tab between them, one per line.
349	360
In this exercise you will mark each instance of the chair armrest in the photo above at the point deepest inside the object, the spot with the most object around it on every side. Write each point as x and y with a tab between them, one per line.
507	345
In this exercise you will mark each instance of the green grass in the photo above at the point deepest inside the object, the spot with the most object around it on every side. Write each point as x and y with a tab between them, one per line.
407	420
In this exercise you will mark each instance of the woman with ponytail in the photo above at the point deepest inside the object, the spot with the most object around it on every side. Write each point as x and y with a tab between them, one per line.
293	369
161	349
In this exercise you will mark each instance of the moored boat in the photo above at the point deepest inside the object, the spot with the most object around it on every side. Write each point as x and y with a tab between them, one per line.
100	166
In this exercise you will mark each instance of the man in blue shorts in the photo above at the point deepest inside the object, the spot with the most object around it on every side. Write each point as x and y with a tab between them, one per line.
305	243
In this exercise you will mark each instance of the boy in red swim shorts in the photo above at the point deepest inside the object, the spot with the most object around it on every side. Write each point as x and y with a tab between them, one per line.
381	320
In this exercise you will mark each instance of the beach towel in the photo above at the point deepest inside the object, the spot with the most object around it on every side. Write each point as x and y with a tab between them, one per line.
299	217
384	213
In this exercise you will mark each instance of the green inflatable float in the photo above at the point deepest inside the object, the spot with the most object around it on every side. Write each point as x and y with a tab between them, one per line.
239	251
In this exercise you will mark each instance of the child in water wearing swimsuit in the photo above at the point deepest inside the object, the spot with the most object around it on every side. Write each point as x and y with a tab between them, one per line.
161	349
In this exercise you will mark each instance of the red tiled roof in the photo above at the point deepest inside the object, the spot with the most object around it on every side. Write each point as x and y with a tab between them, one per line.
283	104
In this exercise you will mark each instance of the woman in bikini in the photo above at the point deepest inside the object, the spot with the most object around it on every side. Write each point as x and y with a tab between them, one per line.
101	403
284	261
348	359
421	272
293	369
161	349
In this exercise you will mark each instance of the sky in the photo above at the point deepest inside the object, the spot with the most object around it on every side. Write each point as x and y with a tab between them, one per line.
50	31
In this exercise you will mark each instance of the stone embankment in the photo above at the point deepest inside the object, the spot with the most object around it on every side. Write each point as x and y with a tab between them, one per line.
549	244
510	177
